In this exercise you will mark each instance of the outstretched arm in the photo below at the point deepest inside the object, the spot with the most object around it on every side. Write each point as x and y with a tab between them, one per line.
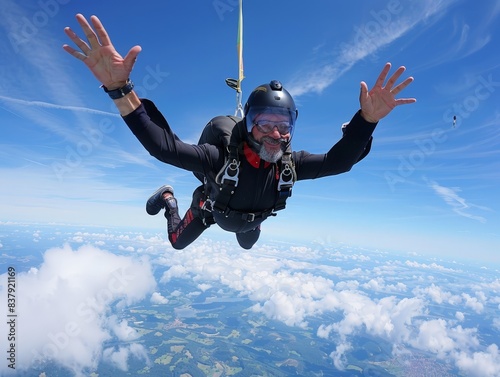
380	100
100	56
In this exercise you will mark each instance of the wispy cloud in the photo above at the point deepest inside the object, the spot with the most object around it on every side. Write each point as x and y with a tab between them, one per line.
34	51
458	204
366	41
49	78
465	39
42	104
65	135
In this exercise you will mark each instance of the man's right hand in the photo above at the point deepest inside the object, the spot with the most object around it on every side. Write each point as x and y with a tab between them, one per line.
107	65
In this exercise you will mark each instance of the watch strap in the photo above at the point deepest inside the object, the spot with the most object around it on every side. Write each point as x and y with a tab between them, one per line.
120	92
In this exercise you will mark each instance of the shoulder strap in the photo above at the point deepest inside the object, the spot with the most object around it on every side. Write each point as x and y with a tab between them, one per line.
227	178
288	177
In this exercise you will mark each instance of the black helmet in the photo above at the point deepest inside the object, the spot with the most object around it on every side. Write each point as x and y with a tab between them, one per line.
270	98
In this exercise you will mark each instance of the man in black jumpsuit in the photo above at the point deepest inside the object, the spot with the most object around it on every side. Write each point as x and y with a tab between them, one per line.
267	129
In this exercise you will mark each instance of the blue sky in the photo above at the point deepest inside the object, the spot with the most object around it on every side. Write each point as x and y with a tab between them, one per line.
426	187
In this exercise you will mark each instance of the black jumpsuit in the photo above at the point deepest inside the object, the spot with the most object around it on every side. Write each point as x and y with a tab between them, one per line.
258	179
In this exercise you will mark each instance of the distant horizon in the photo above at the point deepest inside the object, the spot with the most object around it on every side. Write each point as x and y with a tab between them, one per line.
218	234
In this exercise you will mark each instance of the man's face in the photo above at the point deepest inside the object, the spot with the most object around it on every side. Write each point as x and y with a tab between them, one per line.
266	131
271	140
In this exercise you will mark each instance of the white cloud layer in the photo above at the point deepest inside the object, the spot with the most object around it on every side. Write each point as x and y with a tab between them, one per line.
64	311
284	290
67	303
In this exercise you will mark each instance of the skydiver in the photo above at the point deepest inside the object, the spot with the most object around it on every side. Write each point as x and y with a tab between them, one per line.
267	128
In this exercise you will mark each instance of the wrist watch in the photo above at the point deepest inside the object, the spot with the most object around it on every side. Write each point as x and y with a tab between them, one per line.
120	92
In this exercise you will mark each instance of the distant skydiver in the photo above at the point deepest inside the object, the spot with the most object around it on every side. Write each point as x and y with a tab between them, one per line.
250	179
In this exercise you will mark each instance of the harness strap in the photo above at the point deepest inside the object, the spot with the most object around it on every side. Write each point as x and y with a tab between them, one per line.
286	180
249	216
225	191
228	176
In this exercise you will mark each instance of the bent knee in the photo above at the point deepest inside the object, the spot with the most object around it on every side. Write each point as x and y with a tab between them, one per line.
177	246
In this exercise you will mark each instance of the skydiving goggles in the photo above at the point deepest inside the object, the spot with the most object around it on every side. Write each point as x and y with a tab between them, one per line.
266	126
285	126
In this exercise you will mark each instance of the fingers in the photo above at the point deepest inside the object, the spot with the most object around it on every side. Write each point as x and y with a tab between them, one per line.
90	34
77	54
131	57
392	80
364	89
84	47
101	32
363	93
405	101
395	90
402	85
399	88
132	54
96	38
383	75
395	76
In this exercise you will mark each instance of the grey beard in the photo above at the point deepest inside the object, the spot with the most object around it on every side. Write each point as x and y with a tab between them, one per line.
268	156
